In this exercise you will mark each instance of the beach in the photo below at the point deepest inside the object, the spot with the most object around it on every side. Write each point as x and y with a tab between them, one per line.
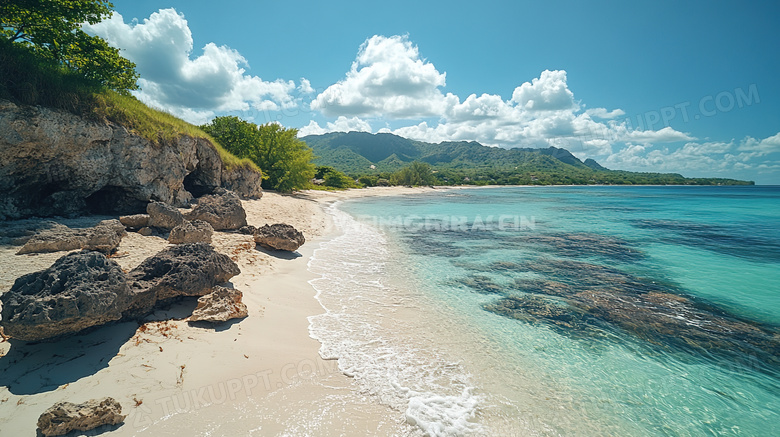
170	375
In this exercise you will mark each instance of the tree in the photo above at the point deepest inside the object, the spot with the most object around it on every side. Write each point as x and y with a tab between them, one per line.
51	29
284	159
417	173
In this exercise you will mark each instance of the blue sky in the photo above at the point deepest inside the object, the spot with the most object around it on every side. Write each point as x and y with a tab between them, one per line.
686	87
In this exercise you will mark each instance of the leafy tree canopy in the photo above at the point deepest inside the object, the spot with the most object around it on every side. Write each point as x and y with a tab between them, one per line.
416	174
52	30
283	158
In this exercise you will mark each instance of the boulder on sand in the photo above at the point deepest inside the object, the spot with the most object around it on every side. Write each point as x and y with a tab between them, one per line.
181	270
80	290
221	305
162	215
64	417
104	237
279	236
196	231
135	221
222	210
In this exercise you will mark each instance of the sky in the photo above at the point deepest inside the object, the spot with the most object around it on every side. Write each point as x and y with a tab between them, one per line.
663	86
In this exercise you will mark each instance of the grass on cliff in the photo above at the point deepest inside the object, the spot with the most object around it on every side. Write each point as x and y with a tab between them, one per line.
30	80
155	125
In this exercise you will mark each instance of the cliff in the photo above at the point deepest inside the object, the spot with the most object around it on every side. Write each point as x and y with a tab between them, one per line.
55	163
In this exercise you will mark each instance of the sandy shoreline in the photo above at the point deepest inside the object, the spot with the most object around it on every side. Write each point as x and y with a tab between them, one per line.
262	375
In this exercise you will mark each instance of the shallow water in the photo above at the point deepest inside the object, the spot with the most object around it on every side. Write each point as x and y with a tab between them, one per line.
560	310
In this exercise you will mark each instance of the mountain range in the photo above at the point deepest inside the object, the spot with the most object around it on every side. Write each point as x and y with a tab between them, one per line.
362	153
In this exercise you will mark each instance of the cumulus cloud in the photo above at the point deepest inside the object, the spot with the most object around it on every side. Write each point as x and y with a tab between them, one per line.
548	92
387	78
342	124
195	88
603	113
761	147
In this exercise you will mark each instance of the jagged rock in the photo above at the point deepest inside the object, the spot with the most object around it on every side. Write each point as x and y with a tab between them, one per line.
223	211
55	239
221	305
279	237
80	290
196	231
146	231
244	181
104	237
247	230
181	270
135	221
164	216
55	163
63	417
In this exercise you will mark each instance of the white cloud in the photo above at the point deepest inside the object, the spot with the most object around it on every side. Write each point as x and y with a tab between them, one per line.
387	78
665	135
548	92
342	124
193	88
603	113
762	147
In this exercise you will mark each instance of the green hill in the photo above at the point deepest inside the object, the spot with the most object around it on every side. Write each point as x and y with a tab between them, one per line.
469	162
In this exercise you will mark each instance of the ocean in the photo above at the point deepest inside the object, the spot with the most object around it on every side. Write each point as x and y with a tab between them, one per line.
572	311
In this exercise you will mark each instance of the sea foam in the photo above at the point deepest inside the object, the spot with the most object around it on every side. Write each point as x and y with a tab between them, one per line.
369	327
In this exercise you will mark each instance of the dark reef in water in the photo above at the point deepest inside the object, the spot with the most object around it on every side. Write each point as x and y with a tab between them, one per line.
579	298
577	245
717	239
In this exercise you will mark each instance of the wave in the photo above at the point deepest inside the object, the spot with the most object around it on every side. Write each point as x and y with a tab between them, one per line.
375	330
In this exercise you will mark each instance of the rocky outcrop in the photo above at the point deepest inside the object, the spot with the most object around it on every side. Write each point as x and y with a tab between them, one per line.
247	230
64	417
104	237
279	237
135	221
163	216
181	270
221	305
79	290
244	181
55	163
223	211
196	231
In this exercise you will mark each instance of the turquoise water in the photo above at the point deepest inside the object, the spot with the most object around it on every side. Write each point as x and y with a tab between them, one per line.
561	310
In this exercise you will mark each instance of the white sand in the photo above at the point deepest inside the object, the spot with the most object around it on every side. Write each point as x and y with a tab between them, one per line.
258	376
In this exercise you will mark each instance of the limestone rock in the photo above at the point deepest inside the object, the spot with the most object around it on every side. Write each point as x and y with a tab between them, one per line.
196	231
164	216
55	239
244	181
221	305
146	231
279	236
247	230
135	221
55	163
63	417
181	270
223	211
80	290
104	237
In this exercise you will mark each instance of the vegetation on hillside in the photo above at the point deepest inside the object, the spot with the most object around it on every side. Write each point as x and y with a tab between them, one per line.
373	157
47	60
51	31
285	161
